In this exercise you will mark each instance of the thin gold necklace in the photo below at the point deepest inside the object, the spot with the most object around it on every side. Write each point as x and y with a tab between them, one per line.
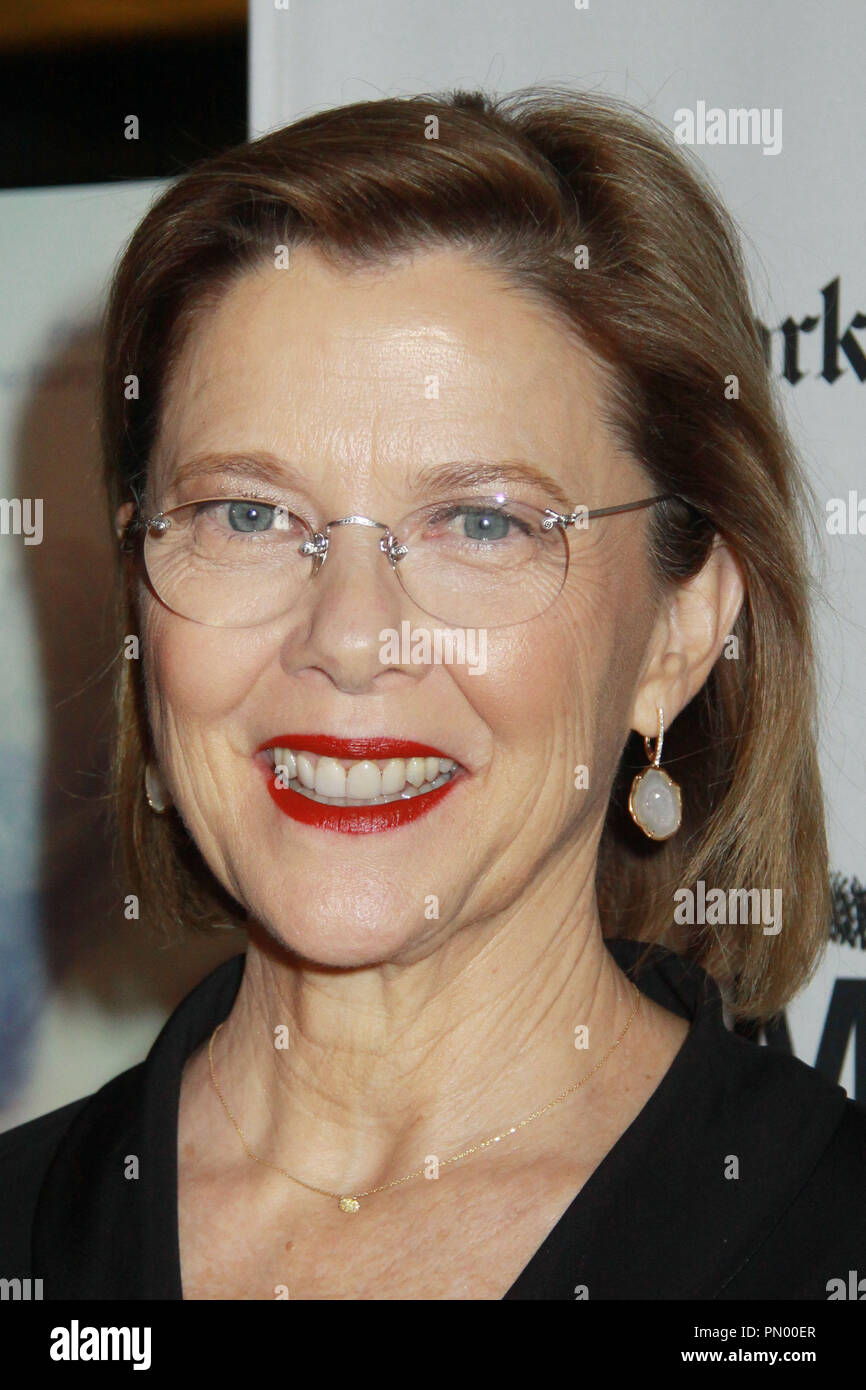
351	1202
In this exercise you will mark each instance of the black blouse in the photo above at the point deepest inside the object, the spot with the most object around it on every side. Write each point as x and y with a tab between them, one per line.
662	1216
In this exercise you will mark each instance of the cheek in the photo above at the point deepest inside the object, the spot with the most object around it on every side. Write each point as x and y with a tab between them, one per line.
194	676
563	685
536	686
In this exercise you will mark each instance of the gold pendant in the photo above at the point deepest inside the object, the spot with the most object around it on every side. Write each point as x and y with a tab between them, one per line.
349	1204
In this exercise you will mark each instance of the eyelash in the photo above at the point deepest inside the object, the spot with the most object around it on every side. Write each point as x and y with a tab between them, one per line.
261	494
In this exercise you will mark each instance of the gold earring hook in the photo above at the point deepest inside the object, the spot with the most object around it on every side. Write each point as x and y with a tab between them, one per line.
655	758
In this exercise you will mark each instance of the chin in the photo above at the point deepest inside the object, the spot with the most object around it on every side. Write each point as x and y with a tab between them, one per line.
340	930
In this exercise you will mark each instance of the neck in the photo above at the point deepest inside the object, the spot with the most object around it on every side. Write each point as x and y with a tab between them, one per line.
384	1065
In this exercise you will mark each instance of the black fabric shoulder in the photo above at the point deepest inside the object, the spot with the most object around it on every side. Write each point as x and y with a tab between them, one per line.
25	1155
820	1241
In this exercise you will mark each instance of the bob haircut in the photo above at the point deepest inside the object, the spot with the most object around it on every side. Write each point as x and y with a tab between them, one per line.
663	304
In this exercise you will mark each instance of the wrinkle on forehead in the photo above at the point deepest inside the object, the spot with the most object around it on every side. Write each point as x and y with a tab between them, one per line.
339	365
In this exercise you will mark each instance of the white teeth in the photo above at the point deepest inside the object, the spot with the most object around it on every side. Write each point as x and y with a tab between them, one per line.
394	776
306	770
330	778
415	771
364	780
332	781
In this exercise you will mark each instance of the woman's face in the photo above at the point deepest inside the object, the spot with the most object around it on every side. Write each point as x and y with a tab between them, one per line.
357	380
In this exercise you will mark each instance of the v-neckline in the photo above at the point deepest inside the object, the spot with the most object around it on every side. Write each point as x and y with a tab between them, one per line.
632	1140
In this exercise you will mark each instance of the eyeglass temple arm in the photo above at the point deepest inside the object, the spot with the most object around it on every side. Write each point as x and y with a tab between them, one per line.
572	518
137	525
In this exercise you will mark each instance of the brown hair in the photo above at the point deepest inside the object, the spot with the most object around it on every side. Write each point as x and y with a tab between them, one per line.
664	305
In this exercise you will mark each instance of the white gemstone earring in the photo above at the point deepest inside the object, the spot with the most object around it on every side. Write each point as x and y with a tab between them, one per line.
155	790
654	802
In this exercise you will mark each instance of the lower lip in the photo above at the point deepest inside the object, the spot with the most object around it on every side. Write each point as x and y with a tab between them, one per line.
353	820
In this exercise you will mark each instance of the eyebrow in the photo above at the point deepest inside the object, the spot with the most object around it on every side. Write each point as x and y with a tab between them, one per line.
265	467
473	472
444	477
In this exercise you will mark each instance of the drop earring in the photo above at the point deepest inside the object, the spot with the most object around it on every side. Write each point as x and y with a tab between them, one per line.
655	802
155	790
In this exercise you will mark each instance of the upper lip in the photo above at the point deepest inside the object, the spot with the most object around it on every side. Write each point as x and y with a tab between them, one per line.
354	748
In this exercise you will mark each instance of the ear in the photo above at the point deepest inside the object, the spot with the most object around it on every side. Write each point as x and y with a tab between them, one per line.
693	622
121	517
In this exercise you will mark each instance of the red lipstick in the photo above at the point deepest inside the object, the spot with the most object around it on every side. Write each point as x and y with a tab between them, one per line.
355	748
353	820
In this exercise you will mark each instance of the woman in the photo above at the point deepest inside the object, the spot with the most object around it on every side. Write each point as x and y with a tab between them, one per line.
400	387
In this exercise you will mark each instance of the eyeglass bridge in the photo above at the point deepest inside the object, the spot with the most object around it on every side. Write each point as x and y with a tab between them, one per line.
388	544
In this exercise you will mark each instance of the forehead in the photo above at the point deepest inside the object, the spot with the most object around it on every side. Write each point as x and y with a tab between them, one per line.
436	357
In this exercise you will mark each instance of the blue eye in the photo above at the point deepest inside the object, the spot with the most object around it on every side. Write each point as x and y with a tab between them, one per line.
486	526
250	516
479	523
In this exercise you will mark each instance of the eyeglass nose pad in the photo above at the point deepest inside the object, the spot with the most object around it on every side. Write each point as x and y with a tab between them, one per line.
317	549
391	547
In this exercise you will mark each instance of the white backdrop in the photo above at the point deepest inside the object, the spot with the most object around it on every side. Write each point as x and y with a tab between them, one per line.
81	992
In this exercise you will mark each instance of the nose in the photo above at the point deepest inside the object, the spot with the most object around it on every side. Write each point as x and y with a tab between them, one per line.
352	600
